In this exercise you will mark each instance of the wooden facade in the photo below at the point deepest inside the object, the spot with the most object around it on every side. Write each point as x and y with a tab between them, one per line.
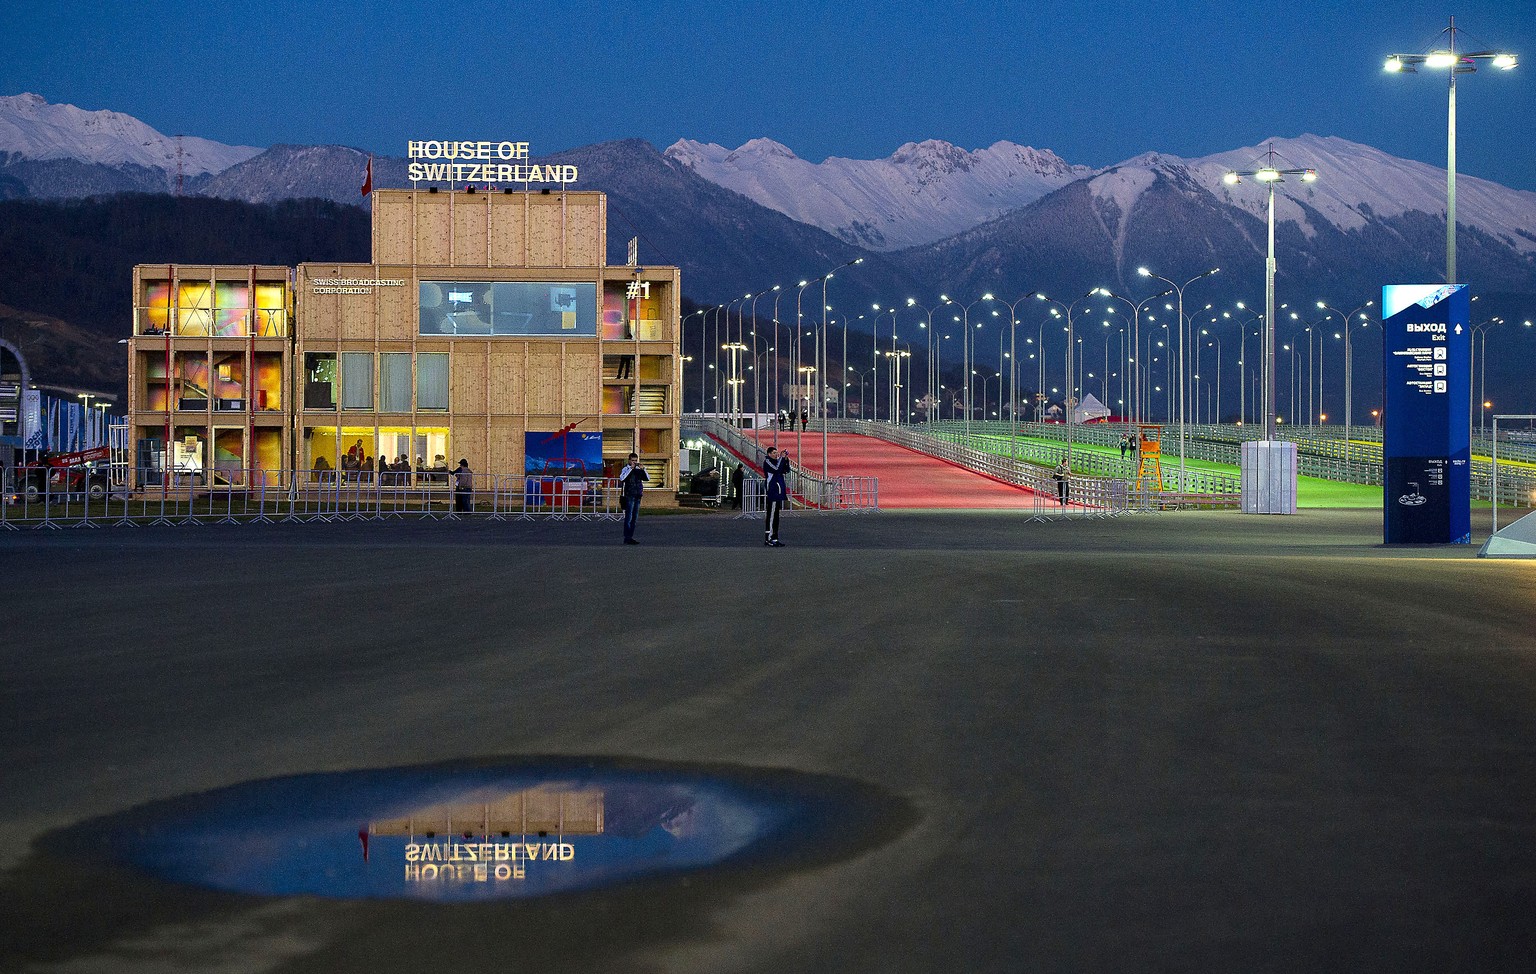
376	360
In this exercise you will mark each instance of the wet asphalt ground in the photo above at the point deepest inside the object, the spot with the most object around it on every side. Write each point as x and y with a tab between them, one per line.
1182	742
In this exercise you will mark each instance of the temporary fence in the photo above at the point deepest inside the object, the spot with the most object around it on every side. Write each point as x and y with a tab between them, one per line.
997	453
807	491
266	497
1320	452
1087	496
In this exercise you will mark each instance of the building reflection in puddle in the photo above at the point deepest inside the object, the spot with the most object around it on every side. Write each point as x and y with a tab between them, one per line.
449	835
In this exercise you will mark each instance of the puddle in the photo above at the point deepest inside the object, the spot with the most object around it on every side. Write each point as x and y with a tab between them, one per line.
480	831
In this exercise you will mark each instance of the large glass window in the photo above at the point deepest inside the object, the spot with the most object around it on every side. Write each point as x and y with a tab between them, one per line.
356	380
508	308
432	380
320	380
394	382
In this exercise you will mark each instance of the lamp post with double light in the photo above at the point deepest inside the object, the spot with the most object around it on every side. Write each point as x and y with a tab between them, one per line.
931	378
756	381
1183	388
682	329
735	348
1349	372
1136	308
821	362
1454	62
965	324
1269	175
1244	319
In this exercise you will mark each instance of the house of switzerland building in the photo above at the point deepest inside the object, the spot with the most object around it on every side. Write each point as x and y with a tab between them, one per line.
484	317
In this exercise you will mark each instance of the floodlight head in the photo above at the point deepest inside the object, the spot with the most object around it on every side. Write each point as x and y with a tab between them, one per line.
1394	64
1506	62
987	296
1231	179
1143	272
1309	176
1267	175
1441	59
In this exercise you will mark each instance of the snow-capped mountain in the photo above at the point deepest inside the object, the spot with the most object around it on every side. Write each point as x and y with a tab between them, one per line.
1369	219
925	191
32	128
1356	186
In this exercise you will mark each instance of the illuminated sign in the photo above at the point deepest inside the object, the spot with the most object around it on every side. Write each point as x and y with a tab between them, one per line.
353	285
1426	443
436	161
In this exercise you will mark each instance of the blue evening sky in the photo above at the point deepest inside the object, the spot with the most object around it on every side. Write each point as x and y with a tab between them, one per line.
1097	81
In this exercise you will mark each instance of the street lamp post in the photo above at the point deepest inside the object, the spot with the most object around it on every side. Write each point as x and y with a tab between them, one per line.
822	377
1269	175
756	382
1242	360
682	330
965	323
1183	391
1071	341
1458	62
1349	387
931	377
735	348
1478	368
1136	308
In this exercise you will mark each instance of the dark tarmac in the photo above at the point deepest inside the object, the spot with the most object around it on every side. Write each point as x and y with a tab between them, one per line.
1182	742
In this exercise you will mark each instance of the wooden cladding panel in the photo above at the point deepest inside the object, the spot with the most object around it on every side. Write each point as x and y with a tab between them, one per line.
544	235
584	237
506	376
397	305
508	232
582	393
356	313
469	230
467	378
434	229
544	380
392	228
506	446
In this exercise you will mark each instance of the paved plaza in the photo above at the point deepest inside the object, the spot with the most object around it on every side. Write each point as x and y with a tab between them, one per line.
1186	741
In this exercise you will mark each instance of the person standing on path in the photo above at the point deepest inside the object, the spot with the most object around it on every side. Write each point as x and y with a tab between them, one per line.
1125	444
738	478
632	481
1062	474
775	466
463	487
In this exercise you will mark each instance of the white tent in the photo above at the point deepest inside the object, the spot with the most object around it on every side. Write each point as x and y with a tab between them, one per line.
1089	408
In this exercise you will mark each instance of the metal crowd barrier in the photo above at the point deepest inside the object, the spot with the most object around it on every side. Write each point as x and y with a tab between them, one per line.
1087	496
269	496
807	491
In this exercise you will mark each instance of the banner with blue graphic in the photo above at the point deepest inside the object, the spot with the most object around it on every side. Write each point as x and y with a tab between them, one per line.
1426	441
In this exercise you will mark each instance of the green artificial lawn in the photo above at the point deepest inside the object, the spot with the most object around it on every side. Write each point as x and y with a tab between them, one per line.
1310	491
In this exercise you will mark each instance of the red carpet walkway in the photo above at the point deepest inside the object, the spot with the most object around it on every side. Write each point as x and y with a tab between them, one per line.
908	479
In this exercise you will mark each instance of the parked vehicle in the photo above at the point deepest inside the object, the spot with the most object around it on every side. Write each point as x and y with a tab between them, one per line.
83	473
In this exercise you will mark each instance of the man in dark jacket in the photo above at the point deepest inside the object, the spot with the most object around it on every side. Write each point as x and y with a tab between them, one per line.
774	469
738	479
632	481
